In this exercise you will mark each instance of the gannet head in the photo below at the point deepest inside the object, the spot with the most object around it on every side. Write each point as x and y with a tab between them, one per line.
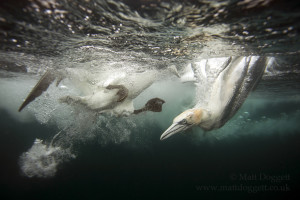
184	121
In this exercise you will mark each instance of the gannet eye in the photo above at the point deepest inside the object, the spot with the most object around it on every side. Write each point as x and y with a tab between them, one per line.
184	121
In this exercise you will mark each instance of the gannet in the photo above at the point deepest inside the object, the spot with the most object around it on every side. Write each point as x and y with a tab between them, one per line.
237	77
112	91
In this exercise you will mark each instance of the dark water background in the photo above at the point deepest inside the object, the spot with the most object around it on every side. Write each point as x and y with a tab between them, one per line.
171	169
36	34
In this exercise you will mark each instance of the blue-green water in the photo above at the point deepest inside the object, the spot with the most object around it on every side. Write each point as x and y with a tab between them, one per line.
254	155
153	169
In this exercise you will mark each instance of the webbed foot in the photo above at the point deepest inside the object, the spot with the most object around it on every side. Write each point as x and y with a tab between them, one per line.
122	93
154	105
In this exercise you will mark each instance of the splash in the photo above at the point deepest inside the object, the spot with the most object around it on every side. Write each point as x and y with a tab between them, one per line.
42	160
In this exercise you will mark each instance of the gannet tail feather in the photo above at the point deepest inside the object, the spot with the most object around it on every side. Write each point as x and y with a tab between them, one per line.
38	89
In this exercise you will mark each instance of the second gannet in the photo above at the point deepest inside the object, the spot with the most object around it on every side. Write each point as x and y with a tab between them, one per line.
112	91
229	90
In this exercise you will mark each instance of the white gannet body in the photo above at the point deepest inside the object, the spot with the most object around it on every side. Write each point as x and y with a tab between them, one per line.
103	96
112	91
235	78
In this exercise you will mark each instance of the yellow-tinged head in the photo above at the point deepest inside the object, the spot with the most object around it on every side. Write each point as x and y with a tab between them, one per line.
184	121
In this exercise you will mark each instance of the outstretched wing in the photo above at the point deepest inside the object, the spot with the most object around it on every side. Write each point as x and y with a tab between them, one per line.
233	86
39	88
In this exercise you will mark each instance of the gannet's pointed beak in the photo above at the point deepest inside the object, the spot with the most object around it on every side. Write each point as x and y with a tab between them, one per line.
184	121
174	128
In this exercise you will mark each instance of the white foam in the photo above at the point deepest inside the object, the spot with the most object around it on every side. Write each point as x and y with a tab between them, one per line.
188	74
42	160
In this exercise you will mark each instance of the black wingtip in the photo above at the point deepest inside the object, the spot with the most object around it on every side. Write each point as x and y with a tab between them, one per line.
21	107
38	89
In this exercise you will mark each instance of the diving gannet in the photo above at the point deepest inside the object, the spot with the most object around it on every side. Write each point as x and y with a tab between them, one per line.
111	91
237	77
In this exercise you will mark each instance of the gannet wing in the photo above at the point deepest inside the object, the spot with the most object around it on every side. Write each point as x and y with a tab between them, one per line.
38	89
233	85
253	73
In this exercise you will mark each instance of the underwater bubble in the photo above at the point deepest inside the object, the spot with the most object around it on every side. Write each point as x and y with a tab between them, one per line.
42	160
